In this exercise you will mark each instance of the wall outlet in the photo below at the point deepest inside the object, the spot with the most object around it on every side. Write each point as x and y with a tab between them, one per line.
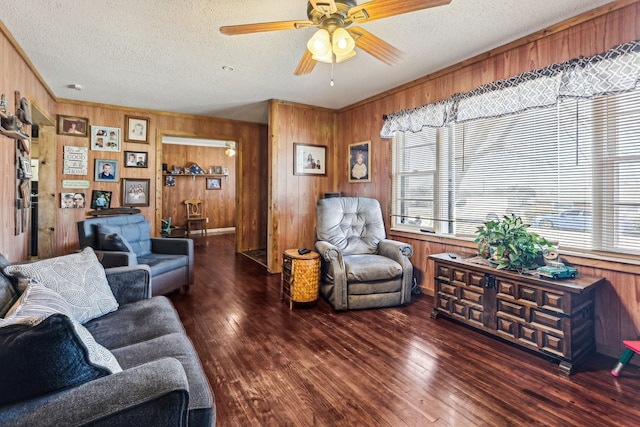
207	220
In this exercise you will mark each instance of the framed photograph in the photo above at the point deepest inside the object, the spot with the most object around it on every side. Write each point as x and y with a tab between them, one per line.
100	199
106	170
214	183
135	159
105	138
73	126
136	129
73	201
217	170
309	159
135	192
169	181
359	162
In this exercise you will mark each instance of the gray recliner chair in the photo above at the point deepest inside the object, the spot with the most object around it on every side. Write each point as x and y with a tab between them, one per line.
361	268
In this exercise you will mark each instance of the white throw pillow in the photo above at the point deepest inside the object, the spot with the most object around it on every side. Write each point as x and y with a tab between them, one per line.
79	278
38	302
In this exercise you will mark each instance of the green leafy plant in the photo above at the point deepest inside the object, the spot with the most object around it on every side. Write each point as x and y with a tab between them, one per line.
510	243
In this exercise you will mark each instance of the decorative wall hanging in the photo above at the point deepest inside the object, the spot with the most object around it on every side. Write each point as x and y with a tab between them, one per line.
135	192
73	126
360	162
105	138
309	159
136	129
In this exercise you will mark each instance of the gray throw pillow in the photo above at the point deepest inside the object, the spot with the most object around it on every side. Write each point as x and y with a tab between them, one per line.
108	240
37	302
79	278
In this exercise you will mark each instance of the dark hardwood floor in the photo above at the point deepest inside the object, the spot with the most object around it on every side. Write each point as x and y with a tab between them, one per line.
269	366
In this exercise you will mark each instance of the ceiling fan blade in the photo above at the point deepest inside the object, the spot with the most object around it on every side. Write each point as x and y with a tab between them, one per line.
325	7
375	46
306	64
377	9
232	30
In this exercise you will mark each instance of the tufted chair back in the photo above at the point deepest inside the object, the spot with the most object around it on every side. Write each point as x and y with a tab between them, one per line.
353	224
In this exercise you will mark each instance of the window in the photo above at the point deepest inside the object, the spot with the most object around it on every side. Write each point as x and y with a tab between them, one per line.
571	170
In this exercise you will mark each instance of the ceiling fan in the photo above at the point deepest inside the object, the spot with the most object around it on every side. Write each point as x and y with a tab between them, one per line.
335	40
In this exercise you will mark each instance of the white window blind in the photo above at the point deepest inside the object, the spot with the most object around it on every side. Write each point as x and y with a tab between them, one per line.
571	170
414	174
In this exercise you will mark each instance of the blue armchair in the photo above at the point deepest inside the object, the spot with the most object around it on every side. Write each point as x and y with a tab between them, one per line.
126	240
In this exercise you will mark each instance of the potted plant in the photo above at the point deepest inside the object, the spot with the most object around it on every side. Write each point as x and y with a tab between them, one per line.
510	243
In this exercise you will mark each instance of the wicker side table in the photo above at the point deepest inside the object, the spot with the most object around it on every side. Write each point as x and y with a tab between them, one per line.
300	276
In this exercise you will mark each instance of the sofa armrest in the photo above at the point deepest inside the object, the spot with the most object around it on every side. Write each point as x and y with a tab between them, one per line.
177	246
110	259
130	283
400	252
156	392
332	255
160	245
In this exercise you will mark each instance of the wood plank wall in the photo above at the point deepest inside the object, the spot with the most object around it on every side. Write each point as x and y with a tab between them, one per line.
219	205
293	198
249	136
16	75
618	303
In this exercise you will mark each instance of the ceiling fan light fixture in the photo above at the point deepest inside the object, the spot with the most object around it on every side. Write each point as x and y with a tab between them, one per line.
342	42
230	152
320	46
340	58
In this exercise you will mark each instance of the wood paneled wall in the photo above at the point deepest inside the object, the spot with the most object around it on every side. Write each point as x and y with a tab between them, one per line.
16	75
292	205
249	137
618	303
219	205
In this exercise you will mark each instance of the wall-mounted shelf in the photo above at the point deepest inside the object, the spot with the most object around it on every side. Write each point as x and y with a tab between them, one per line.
194	175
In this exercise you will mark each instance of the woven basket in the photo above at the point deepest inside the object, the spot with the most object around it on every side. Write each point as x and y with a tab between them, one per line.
306	276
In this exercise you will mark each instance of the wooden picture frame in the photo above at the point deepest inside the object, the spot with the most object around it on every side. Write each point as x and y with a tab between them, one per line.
136	159
73	201
360	162
105	138
136	129
106	170
135	192
214	184
309	159
100	199
72	126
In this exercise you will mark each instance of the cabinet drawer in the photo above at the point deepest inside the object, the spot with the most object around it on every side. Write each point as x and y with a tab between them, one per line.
547	319
553	301
443	272
459	276
471	296
512	309
448	289
476	279
443	302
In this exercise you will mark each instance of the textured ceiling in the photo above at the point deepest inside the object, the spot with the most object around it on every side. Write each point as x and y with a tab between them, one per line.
169	55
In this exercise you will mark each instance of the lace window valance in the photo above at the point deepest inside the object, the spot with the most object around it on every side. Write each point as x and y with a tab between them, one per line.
615	71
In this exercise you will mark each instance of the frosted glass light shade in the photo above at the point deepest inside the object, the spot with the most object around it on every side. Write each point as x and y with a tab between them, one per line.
320	46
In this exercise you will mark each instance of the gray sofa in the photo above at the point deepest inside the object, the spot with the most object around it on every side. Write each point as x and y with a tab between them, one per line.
170	260
161	383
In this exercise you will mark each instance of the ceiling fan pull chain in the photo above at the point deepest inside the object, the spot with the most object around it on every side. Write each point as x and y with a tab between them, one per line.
332	64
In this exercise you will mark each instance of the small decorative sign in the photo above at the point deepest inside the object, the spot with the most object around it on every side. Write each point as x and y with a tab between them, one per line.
75	161
76	183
